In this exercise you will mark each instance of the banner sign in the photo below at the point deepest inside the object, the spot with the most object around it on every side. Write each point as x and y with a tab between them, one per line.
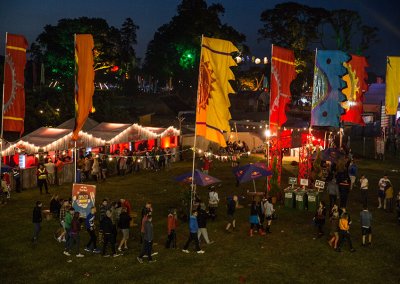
83	198
304	182
293	180
319	184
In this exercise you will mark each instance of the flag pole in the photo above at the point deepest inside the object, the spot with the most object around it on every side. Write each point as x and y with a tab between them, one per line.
192	186
75	158
2	105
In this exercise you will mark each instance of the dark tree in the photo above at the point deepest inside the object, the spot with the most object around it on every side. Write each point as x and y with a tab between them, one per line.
174	51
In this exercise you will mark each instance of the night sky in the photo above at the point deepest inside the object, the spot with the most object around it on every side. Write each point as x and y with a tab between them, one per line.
28	17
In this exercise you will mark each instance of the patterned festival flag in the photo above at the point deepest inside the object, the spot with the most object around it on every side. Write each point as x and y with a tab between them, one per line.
212	115
392	84
14	92
282	74
327	96
84	80
356	86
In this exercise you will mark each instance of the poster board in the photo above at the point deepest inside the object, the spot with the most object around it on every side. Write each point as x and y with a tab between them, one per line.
83	198
319	184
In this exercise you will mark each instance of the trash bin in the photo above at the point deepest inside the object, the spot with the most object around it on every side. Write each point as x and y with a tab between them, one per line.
300	200
290	200
313	201
78	175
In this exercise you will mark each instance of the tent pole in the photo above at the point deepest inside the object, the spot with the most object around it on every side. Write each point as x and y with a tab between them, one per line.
2	107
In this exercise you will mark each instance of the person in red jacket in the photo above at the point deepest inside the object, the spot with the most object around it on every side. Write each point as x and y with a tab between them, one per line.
172	222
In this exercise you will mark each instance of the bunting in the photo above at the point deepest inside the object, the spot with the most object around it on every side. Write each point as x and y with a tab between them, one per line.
14	92
282	74
355	78
392	84
327	96
212	115
84	81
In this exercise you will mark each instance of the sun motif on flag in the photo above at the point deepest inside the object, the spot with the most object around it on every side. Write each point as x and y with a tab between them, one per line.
10	97
205	83
353	86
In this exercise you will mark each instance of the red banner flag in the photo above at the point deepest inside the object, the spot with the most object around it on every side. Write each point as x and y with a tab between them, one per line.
14	92
282	74
84	82
356	87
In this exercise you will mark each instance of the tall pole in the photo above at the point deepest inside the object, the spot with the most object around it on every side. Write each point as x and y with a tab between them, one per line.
75	157
192	186
2	106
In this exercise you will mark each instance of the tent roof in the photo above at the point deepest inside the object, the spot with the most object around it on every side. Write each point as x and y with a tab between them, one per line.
70	124
44	136
107	130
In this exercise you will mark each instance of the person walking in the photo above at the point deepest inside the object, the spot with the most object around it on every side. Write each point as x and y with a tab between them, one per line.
59	171
381	191
365	221
333	191
172	223
334	221
231	208
104	167
95	172
91	229
147	241
269	211
51	169
193	231
388	202
202	217
123	224
352	173
75	235
67	225
319	218
16	172
41	174
344	232
108	230
36	220
213	201
364	190
344	187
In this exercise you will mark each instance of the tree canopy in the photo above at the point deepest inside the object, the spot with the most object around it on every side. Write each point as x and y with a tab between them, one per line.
174	50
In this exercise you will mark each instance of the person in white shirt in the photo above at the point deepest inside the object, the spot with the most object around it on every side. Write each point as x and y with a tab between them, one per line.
364	190
381	191
213	201
51	169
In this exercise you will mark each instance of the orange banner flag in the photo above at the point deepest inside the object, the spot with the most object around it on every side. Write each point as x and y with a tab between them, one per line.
14	92
84	80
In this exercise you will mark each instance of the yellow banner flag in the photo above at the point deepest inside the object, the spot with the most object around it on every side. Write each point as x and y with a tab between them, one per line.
392	84
212	115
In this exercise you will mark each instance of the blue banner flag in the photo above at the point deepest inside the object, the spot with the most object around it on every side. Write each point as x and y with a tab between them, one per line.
328	84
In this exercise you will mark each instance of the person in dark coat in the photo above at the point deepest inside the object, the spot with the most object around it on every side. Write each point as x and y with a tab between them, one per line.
147	240
107	227
36	220
123	224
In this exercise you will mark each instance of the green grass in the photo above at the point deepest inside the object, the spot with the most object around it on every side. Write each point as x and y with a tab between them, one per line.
288	255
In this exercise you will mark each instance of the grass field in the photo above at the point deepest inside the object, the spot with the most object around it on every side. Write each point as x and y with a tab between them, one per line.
289	255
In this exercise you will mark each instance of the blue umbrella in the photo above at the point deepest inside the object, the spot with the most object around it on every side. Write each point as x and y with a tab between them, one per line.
200	178
251	172
5	168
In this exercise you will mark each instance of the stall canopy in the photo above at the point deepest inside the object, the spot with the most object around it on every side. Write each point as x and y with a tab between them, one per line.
52	139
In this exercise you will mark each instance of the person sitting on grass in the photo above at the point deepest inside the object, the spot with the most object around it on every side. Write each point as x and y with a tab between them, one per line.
344	232
365	220
193	230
